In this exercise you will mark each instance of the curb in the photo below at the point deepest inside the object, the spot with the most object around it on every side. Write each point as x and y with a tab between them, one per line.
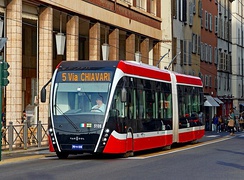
25	150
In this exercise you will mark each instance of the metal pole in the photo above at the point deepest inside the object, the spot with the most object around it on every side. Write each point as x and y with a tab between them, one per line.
1	59
25	134
162	57
39	133
10	135
173	59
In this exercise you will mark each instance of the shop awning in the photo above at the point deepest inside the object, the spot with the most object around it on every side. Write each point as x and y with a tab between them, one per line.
210	101
218	100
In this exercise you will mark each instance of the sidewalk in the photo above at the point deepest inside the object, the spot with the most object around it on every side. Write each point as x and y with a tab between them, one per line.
11	156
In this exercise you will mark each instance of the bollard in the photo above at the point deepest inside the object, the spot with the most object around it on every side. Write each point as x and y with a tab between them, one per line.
25	134
10	136
39	133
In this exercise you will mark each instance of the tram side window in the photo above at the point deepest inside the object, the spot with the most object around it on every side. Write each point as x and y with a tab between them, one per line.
131	103
189	105
150	99
165	102
119	106
140	112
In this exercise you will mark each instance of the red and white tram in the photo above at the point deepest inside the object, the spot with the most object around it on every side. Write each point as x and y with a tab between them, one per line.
145	108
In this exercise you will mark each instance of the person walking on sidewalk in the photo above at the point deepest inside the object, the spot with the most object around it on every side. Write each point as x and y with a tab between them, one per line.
220	121
215	123
231	122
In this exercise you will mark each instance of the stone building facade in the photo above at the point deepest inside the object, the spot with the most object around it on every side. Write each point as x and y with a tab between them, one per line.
127	27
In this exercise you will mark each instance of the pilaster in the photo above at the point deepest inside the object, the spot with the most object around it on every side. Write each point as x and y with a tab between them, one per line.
94	42
14	56
144	50
114	45
72	43
45	57
130	47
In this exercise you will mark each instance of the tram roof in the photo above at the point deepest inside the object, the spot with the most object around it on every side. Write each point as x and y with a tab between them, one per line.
133	68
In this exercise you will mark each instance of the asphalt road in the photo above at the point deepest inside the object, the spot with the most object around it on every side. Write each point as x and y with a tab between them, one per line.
216	156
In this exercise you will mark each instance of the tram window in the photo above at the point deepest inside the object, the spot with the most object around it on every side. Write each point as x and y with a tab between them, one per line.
189	100
130	105
165	101
140	99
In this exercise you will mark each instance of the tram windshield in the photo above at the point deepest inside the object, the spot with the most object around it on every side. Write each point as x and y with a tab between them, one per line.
78	98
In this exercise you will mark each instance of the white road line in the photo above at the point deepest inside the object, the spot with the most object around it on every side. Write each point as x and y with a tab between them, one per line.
213	136
179	150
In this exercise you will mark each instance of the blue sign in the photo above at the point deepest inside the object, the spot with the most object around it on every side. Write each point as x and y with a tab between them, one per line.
77	146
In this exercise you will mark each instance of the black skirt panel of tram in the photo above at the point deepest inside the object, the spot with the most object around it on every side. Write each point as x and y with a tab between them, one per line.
83	143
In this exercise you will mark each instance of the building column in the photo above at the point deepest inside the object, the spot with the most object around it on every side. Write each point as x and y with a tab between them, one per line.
72	43
94	42
144	47
156	54
130	47
14	109
114	45
45	57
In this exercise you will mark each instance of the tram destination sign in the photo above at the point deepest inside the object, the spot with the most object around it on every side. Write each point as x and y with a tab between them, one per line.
85	76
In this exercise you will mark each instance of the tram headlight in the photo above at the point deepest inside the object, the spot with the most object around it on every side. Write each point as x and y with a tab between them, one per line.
104	139
50	130
107	130
105	135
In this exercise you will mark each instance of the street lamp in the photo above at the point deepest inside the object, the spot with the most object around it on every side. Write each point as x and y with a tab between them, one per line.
105	47
138	56
1	27
138	53
60	39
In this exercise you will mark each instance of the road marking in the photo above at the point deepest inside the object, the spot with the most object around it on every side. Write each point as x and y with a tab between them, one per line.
184	148
49	157
24	158
213	136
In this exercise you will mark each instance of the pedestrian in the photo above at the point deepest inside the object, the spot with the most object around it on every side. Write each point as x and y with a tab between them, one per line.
219	126
241	122
237	125
231	123
215	123
3	121
200	116
207	123
23	117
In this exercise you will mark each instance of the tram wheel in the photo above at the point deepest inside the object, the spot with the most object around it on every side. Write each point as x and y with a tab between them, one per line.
62	155
194	142
128	154
167	147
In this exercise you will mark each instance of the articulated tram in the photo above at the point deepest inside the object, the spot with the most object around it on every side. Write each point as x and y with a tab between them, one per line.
145	108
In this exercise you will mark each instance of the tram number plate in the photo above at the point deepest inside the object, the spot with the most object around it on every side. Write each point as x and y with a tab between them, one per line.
77	146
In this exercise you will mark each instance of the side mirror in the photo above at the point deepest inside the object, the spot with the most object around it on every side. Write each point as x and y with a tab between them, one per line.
123	95
43	95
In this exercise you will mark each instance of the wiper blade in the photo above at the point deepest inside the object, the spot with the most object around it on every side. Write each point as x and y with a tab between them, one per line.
68	119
